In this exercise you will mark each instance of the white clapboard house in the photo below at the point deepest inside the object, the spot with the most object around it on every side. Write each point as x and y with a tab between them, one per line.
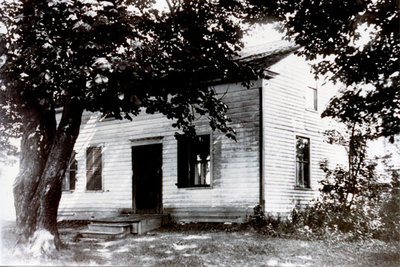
140	167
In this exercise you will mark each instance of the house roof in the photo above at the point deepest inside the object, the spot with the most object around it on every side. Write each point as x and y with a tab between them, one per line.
262	56
266	49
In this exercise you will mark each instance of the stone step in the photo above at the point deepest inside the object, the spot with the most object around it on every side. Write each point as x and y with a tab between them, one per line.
110	227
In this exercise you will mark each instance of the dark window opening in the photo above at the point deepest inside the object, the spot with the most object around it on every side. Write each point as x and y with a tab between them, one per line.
93	168
194	161
68	183
302	162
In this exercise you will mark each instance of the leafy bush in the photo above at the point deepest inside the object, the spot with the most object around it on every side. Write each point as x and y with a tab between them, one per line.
354	203
352	207
390	211
269	225
349	208
350	198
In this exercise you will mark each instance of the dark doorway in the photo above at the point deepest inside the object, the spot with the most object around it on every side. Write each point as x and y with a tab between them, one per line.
146	179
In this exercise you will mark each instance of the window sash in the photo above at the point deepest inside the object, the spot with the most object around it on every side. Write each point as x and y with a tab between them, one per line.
302	173
312	98
194	165
69	179
93	168
302	162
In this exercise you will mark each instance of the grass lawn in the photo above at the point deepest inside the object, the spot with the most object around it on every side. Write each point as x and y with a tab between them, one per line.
206	248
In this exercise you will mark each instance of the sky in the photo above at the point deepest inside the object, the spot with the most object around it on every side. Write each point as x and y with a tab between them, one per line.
261	34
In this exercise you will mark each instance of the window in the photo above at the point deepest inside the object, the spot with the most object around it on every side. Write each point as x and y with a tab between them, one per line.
69	179
194	161
311	98
302	162
93	168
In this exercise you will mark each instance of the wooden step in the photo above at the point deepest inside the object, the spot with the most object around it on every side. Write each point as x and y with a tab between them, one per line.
149	224
110	227
116	227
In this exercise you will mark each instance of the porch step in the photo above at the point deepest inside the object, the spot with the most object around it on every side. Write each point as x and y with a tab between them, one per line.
110	227
120	226
102	235
146	225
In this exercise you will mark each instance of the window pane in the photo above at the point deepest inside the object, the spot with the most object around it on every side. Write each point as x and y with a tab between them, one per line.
302	162
194	161
93	168
311	98
202	159
68	182
183	166
72	177
65	182
302	149
73	167
96	159
89	158
306	175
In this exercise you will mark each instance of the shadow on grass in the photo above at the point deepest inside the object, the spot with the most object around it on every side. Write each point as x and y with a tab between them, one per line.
217	244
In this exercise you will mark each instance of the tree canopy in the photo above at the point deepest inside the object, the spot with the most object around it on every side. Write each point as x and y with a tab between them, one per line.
355	42
116	57
122	56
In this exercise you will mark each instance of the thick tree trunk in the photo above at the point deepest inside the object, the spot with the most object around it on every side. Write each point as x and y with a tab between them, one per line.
51	182
34	151
37	190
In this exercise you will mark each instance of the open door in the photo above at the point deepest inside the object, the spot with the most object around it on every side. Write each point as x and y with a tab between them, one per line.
146	179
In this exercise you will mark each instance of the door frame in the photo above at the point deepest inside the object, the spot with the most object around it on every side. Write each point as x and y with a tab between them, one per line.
136	142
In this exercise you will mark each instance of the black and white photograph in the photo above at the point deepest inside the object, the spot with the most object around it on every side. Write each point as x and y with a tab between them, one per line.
200	133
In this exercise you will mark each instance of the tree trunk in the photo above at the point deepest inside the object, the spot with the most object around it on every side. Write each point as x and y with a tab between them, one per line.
38	187
34	152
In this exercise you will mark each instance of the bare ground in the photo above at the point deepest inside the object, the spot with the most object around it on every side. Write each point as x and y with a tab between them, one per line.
199	247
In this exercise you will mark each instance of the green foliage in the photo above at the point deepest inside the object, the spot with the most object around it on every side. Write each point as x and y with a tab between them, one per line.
118	57
350	198
354	203
348	207
370	71
370	217
390	210
358	43
269	225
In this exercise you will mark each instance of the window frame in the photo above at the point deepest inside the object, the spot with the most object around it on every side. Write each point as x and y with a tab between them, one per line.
188	184
305	185
66	181
314	108
101	164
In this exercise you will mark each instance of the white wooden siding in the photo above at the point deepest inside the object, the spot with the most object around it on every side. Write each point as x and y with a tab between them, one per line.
284	117
235	178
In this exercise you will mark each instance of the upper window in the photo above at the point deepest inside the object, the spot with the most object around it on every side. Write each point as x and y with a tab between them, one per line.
302	162
194	161
93	168
69	179
311	98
